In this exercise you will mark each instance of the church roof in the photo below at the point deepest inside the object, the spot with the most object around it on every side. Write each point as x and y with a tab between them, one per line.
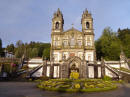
72	29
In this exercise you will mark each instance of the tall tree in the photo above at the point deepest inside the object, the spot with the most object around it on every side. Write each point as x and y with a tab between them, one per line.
34	53
108	45
1	46
46	53
19	51
124	36
10	48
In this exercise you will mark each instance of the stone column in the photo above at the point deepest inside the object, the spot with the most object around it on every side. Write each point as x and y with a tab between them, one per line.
102	68
44	69
95	71
64	71
84	70
52	68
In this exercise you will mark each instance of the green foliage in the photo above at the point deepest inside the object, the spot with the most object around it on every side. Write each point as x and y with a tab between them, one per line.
101	85
108	45
29	50
124	36
10	48
91	86
74	75
82	85
46	53
86	85
9	68
25	67
77	86
1	46
65	86
107	78
124	69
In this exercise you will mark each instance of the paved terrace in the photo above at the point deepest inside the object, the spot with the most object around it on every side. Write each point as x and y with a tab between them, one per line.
28	89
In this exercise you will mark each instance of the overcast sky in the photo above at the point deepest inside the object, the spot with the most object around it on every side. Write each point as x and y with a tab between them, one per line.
30	20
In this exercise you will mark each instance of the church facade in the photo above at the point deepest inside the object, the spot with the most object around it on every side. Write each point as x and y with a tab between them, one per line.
74	51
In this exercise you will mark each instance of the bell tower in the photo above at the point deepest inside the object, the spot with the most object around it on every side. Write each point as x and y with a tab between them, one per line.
57	21
87	22
87	29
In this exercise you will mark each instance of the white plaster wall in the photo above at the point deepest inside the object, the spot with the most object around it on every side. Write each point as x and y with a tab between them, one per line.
99	72
56	72
48	71
33	65
109	73
115	66
38	73
37	60
91	71
91	54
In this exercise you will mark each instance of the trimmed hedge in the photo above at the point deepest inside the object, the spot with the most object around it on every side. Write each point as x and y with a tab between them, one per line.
80	85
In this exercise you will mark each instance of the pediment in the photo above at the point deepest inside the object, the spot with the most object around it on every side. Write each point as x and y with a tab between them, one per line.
72	31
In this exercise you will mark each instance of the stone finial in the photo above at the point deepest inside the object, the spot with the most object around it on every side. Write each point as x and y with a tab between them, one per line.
58	14
86	14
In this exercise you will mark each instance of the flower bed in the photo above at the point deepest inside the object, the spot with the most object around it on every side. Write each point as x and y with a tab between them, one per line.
79	85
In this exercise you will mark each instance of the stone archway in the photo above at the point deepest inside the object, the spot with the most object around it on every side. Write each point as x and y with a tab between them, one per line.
73	64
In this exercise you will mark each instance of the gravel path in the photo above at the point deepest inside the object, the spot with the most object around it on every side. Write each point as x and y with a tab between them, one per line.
27	89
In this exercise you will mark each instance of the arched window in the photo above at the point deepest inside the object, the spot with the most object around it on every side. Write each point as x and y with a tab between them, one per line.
87	25
57	25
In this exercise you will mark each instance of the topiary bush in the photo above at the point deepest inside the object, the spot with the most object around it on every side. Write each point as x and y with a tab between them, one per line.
100	85
74	75
77	86
91	86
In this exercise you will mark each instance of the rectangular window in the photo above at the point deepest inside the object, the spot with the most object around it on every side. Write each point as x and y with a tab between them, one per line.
56	72
88	43
89	57
48	71
91	71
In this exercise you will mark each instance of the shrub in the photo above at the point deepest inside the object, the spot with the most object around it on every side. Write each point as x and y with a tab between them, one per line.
100	85
86	85
91	86
74	75
25	67
80	85
107	78
65	86
77	86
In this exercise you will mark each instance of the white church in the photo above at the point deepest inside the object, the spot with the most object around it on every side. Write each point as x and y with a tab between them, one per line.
74	51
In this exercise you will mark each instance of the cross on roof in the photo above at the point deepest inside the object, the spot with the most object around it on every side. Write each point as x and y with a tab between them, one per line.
72	24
